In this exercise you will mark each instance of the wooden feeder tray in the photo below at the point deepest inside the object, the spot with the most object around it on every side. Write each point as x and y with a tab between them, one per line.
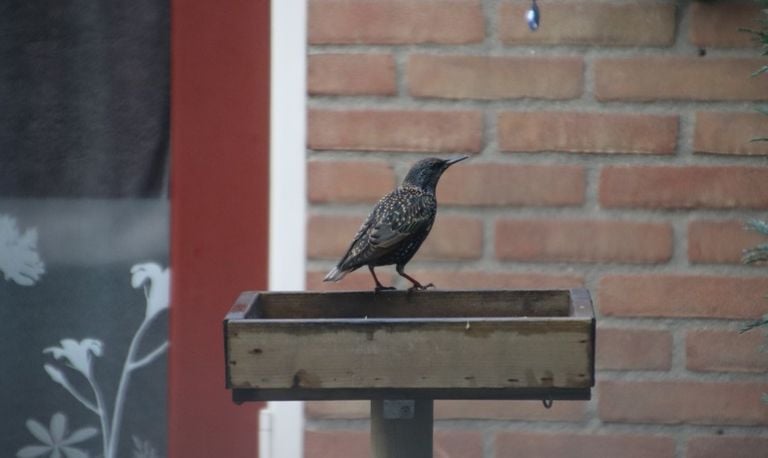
435	344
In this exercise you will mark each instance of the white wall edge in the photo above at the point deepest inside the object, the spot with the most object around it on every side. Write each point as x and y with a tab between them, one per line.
287	201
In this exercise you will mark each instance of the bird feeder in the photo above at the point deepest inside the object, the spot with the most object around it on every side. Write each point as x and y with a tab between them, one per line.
402	350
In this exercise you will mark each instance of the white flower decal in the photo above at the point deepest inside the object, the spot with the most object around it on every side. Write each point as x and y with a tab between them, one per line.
19	260
77	354
156	282
55	441
56	375
143	449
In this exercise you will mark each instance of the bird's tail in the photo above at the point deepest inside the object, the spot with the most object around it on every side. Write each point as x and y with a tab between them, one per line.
336	274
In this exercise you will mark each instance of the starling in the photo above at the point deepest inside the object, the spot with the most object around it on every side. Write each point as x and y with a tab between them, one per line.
397	225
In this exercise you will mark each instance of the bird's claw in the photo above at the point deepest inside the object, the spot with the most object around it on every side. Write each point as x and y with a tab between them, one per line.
420	287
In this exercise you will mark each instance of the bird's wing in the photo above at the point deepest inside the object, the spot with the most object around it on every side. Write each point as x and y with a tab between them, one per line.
408	214
357	246
395	217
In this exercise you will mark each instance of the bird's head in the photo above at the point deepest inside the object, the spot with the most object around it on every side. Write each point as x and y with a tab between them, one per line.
426	173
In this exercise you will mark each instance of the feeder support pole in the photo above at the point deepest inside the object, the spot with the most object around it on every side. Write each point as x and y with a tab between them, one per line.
401	429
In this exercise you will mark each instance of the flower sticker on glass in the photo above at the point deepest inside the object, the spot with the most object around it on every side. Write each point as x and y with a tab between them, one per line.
55	441
156	282
19	260
77	354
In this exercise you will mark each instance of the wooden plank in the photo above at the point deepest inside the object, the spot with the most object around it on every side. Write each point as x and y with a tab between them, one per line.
581	304
242	395
582	308
402	304
490	344
242	307
426	353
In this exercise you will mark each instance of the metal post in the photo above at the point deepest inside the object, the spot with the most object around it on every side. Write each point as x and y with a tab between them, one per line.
401	429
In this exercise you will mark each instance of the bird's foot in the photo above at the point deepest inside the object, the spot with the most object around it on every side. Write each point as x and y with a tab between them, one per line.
420	287
383	288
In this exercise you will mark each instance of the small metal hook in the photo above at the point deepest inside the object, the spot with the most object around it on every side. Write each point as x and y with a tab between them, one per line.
547	403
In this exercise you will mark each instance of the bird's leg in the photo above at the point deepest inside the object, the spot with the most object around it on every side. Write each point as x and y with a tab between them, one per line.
416	285
379	286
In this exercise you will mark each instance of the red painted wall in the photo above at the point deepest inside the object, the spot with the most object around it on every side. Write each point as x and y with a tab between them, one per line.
219	198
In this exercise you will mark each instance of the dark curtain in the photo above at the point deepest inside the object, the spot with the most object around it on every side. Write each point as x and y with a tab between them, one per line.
84	156
83	98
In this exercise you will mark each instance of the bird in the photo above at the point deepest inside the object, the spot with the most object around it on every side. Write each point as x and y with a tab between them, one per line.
398	224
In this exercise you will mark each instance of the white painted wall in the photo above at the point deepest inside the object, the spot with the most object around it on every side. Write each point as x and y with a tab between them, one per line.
282	423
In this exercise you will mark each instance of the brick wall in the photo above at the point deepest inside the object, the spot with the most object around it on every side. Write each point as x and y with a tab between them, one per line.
610	149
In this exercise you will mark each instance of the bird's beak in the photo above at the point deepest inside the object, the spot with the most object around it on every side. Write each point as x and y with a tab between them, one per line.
449	162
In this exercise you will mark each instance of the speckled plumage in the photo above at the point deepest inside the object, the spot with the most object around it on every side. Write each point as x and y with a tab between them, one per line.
397	225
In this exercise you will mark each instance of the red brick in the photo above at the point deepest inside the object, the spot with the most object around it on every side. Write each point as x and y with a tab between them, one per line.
683	296
336	410
356	443
709	350
583	241
674	402
459	409
484	77
351	74
580	132
462	279
712	241
717	24
349	181
730	446
395	22
509	410
336	443
637	24
396	130
684	187
519	185
524	444
329	237
730	133
458	444
633	349
453	237
358	280
679	78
